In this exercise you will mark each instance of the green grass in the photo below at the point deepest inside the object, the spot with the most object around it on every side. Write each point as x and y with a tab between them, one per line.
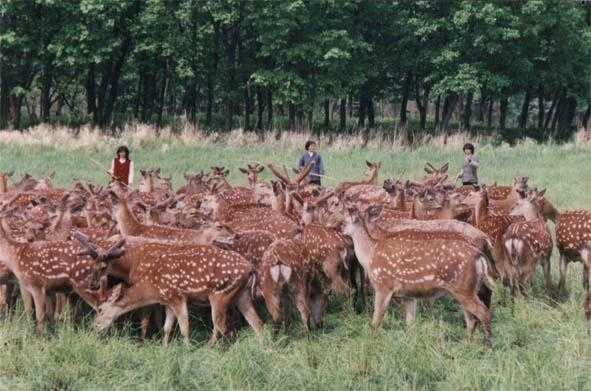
540	342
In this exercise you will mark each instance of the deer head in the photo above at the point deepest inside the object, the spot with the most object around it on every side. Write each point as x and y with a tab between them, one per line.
252	172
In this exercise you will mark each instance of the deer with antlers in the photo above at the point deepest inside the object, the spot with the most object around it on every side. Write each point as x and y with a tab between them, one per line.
129	226
45	267
173	276
529	242
408	268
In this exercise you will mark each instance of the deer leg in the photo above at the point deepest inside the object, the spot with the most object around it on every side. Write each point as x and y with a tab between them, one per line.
381	301
27	300
145	315
410	311
4	298
168	325
39	299
219	316
273	304
246	308
475	307
471	322
547	274
182	314
61	300
563	268
586	258
318	304
301	302
50	307
331	269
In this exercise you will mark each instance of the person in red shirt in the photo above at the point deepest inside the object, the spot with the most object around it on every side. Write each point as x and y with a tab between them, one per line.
122	166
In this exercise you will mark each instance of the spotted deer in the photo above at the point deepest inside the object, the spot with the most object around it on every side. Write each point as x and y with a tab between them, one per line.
573	240
287	268
410	268
196	183
129	226
174	276
45	267
495	227
372	172
529	242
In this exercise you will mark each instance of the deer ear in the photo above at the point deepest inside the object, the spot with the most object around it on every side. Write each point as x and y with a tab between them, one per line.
260	169
428	170
541	193
242	170
52	175
226	172
157	172
116	293
444	168
368	163
143	172
9	174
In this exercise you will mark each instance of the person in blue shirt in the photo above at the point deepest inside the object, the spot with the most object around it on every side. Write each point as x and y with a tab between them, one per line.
311	154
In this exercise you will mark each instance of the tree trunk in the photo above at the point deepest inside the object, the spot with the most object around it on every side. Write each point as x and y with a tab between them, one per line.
467	114
481	109
362	110
260	108
326	114
247	108
503	113
566	115
404	100
4	102
371	118
343	115
269	109
489	116
541	111
437	110
551	110
448	109
523	116
46	94
291	116
586	116
90	90
310	119
423	103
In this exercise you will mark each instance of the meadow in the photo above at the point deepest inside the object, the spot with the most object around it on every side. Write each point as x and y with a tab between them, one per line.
540	341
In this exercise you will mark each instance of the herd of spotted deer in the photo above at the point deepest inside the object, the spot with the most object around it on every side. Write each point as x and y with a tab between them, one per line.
228	247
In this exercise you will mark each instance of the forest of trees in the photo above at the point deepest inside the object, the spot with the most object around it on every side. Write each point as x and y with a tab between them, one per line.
337	65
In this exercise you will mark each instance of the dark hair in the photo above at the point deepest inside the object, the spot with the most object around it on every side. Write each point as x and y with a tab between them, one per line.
123	148
469	147
309	143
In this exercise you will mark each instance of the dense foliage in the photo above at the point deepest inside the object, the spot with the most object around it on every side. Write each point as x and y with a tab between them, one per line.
321	64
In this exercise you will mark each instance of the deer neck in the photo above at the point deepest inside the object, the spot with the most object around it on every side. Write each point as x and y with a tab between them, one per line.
126	221
549	211
481	211
364	245
9	249
134	297
373	178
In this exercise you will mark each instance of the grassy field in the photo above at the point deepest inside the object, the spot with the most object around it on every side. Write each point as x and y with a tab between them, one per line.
540	342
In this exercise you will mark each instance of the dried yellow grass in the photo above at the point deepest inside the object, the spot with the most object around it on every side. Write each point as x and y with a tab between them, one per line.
140	135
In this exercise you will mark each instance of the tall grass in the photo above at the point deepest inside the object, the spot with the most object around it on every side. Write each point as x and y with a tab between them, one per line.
539	341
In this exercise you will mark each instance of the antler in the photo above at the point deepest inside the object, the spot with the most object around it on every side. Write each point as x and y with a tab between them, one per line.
304	172
284	178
